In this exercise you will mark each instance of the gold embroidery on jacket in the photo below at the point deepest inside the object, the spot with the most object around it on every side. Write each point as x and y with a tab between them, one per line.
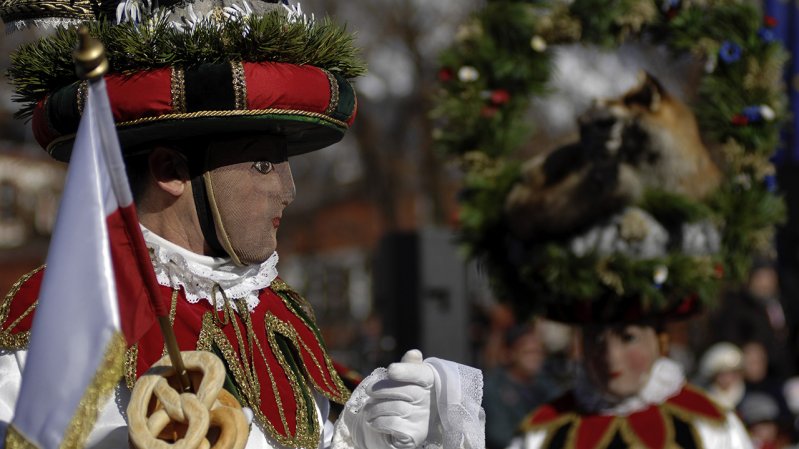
242	367
173	308
293	302
15	439
107	376
8	339
286	346
308	430
131	356
610	432
630	435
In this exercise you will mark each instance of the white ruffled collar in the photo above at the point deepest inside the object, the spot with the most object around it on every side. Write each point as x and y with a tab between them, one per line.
178	267
665	380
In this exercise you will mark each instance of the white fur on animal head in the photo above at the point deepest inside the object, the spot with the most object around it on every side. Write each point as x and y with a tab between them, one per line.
649	84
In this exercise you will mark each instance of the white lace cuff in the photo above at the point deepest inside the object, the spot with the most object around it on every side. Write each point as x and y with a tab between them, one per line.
459	392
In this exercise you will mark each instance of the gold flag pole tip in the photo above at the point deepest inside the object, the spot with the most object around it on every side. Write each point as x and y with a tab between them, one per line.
90	60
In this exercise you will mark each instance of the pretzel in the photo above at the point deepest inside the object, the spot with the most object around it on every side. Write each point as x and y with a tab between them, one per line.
161	417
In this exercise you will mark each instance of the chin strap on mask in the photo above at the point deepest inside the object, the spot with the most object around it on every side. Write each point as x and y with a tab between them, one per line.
219	225
205	214
211	224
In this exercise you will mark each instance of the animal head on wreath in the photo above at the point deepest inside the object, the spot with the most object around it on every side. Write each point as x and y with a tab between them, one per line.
188	69
656	204
598	199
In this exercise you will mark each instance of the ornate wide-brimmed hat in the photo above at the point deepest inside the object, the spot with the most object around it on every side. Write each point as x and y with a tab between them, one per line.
659	199
187	69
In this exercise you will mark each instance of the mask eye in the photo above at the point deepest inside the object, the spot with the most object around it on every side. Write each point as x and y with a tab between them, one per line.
263	167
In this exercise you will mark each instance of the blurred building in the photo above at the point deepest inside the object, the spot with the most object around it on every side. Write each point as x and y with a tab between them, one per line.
30	187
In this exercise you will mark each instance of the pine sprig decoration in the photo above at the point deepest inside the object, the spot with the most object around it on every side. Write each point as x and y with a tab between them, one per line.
607	23
46	65
740	108
725	20
484	195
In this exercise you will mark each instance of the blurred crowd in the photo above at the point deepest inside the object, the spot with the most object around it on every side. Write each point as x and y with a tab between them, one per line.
742	353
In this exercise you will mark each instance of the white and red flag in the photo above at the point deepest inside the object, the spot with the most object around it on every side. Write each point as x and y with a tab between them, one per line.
97	294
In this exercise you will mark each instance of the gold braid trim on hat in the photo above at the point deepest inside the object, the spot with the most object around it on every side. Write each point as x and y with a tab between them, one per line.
334	93
81	95
232	113
239	84
178	89
204	114
77	10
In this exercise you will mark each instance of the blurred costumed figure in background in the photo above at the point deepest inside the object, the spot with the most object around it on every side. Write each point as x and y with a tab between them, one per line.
657	193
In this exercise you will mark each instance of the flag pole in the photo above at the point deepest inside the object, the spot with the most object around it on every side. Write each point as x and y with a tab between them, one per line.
91	64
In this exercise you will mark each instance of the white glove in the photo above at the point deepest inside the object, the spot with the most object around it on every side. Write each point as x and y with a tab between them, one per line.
397	413
430	404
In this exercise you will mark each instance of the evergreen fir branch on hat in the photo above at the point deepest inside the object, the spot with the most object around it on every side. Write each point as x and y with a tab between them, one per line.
46	65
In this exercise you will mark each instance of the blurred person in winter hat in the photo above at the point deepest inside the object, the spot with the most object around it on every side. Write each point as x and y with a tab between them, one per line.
721	373
760	413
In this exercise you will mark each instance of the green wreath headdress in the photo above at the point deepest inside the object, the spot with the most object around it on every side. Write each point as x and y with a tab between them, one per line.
502	59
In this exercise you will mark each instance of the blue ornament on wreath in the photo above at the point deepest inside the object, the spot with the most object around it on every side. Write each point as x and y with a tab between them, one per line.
730	52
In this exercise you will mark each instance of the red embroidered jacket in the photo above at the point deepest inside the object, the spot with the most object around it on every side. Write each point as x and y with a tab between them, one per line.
275	356
660	426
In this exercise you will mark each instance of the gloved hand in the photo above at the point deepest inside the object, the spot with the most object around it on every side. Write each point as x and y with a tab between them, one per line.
397	413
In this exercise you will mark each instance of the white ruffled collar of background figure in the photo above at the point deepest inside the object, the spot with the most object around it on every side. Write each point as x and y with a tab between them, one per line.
197	274
665	380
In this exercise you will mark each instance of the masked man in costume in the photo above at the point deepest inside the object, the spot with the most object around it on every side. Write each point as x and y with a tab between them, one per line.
207	138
